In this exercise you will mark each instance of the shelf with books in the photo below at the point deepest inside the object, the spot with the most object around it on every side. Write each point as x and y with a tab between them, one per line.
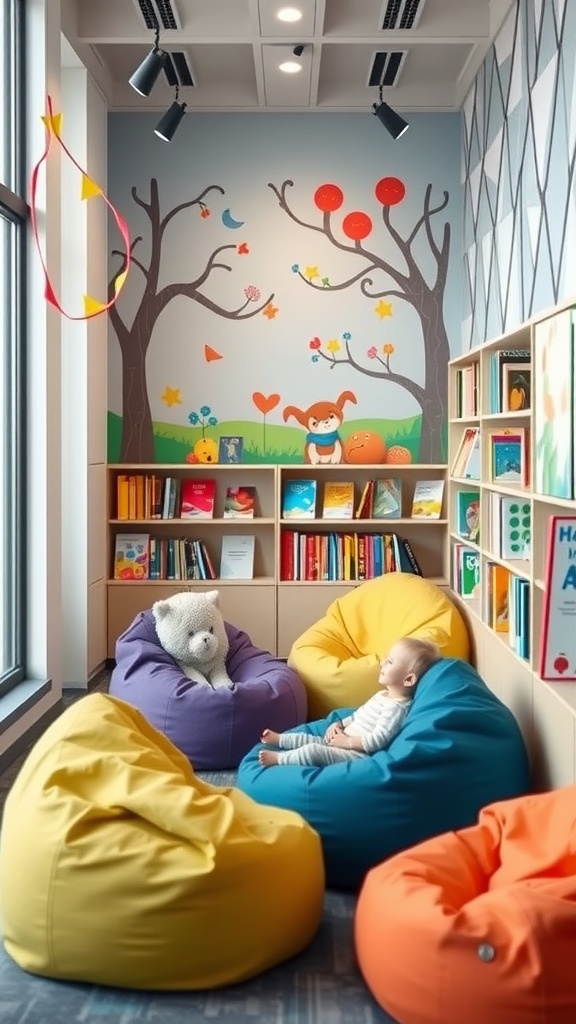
526	389
245	503
188	513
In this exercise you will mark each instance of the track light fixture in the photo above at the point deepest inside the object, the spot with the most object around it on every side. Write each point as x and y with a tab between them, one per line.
392	121
146	74
166	127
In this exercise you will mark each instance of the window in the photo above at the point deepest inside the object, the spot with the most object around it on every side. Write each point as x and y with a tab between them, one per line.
13	213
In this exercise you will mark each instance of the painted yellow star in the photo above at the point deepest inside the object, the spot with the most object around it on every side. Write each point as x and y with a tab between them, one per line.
172	396
383	309
311	272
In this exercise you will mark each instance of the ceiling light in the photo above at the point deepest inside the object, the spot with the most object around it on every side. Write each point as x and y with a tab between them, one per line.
167	125
143	79
393	123
289	14
290	67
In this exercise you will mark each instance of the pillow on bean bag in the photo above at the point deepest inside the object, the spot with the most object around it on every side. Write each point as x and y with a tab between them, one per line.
214	728
338	658
478	926
119	867
459	748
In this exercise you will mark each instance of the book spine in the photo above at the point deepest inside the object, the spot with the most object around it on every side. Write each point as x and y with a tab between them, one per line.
411	557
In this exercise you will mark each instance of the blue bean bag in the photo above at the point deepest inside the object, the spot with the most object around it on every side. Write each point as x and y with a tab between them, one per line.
459	749
213	728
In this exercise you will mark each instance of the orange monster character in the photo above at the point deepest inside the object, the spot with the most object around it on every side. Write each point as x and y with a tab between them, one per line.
365	447
322	421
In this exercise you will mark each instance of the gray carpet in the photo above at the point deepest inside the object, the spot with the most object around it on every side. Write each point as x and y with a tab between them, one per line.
320	986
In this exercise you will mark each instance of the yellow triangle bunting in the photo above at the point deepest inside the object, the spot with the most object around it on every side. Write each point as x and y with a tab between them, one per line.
90	188
53	122
92	306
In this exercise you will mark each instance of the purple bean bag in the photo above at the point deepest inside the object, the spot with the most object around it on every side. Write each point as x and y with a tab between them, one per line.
213	728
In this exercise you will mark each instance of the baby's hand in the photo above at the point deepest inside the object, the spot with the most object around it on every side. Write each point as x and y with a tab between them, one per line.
333	731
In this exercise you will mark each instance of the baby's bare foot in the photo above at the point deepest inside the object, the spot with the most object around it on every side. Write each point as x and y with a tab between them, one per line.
267	758
270	737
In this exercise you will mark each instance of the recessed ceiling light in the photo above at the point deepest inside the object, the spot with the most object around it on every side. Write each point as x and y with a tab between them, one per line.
291	67
289	14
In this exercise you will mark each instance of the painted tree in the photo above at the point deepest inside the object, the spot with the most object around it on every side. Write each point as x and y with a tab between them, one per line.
402	279
137	444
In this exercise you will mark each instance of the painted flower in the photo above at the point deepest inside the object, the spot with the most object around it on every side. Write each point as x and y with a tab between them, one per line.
372	352
295	268
333	345
346	335
252	293
205	410
315	358
315	343
204	212
194	418
212	421
388	349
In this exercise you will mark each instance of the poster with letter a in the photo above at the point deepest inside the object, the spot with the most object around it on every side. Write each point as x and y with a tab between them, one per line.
558	650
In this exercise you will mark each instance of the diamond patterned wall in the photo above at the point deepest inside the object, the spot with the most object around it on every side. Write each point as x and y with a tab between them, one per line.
519	172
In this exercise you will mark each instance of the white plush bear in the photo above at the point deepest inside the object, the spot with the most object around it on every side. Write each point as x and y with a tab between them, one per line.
190	627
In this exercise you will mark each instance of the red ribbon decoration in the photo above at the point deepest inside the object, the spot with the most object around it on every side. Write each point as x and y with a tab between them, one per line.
49	294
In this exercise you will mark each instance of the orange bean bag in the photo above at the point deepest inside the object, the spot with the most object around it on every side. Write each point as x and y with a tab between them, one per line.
478	926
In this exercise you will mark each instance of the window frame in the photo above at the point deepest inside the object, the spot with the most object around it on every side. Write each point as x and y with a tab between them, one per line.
15	212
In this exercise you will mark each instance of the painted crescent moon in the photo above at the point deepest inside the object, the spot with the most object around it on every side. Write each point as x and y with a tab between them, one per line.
229	221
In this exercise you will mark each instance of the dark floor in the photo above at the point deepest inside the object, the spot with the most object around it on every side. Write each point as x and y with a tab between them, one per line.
320	986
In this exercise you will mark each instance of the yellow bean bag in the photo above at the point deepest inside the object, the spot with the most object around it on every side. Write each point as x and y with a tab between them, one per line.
478	926
338	658
119	867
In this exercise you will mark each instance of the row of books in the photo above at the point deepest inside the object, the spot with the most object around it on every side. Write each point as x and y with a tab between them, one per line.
510	380
380	499
507	606
144	557
142	496
340	556
466	384
508	453
510	523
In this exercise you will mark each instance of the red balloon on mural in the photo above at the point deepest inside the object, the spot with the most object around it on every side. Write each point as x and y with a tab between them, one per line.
357	225
390	191
328	198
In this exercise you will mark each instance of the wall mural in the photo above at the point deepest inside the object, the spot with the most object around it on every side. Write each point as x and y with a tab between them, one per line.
408	264
408	284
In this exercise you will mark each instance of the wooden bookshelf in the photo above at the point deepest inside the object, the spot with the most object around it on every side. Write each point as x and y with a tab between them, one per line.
546	711
273	611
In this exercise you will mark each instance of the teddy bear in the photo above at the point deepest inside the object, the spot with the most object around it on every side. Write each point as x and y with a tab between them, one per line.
191	629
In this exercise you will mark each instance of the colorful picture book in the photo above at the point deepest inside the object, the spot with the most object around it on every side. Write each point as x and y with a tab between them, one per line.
386	498
427	499
338	500
553	405
131	556
517	383
299	499
237	557
468	515
466	571
239	502
197	498
514	527
558	645
469	444
230	449
509	457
